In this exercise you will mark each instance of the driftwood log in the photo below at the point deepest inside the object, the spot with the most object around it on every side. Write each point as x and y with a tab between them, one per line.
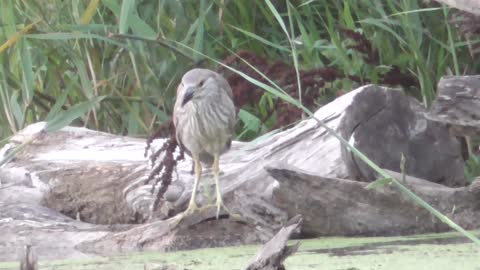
470	6
29	259
458	104
77	192
273	254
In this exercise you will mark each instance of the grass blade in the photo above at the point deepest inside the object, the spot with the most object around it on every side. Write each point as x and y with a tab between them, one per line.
57	107
13	39
251	121
451	42
27	78
16	110
17	149
292	44
381	24
259	38
89	12
138	25
127	8
65	118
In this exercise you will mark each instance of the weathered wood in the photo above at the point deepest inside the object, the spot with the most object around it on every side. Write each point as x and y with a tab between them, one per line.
470	6
29	259
99	182
385	125
274	252
345	207
458	104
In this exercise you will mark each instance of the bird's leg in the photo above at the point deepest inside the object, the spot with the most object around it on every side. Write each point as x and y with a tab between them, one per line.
216	175
192	205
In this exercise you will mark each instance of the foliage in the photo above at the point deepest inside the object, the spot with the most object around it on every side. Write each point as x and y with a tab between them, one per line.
472	167
91	48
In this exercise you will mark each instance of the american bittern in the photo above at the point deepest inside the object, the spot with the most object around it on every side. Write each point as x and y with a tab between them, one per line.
204	118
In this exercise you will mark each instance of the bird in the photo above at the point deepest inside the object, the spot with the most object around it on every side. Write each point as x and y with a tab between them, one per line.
204	117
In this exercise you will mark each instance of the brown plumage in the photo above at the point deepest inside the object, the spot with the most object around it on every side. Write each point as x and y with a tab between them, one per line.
204	118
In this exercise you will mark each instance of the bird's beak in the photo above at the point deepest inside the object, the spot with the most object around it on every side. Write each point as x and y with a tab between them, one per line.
188	95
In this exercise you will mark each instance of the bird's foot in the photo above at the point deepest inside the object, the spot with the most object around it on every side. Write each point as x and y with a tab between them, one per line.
192	208
219	205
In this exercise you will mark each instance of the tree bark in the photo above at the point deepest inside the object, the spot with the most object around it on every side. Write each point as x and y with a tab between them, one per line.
273	254
345	207
470	6
458	104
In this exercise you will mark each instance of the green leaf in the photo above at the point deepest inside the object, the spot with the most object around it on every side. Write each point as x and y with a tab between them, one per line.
16	109
415	11
382	24
125	12
6	104
133	126
294	51
251	122
278	17
57	107
17	149
199	34
65	118
87	28
261	39
162	116
68	36
133	113
138	25
17	36
87	85
347	16
89	12
27	77
306	3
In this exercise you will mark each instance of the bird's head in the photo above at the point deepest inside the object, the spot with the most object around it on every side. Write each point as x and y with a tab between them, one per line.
198	84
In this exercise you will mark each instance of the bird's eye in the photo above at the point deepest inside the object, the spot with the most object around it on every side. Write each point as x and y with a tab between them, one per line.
200	84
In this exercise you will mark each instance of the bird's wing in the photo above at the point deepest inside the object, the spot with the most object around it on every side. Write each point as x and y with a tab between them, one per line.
176	116
232	119
224	85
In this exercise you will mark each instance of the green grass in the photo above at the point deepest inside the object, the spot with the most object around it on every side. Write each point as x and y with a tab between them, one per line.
73	47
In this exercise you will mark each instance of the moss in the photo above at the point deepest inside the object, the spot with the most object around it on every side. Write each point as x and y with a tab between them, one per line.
431	251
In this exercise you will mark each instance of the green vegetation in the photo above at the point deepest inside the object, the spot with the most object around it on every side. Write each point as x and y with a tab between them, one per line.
116	63
56	54
433	251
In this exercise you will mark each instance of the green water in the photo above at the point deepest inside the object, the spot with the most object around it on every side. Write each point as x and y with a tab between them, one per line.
434	251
